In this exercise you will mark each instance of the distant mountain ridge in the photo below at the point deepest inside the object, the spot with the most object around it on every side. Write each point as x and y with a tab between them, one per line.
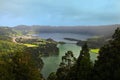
87	30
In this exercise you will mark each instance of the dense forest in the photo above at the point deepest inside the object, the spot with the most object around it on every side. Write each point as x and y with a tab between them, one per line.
21	60
16	63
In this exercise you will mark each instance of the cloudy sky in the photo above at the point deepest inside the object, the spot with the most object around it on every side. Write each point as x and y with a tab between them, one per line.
59	12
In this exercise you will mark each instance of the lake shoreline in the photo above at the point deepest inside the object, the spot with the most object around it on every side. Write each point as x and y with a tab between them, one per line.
51	63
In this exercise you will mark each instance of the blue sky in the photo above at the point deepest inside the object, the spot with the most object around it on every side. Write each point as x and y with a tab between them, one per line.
59	12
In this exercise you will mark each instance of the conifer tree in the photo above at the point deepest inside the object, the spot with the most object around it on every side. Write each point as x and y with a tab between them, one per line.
107	67
82	68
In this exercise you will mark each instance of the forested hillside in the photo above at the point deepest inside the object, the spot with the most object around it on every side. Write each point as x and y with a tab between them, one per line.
16	63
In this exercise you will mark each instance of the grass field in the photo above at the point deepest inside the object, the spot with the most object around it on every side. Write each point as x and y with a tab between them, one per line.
94	50
30	45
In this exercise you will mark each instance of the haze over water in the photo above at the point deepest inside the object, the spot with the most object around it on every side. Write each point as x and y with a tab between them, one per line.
61	36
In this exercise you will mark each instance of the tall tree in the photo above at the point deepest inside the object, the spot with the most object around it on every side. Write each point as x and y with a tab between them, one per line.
67	62
83	66
107	67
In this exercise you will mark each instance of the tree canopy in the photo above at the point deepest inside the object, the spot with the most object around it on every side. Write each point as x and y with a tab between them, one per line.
107	67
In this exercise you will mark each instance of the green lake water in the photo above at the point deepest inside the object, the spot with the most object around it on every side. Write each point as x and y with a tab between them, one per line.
51	63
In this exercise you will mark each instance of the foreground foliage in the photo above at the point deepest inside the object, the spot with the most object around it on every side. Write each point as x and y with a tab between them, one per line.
107	67
16	63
